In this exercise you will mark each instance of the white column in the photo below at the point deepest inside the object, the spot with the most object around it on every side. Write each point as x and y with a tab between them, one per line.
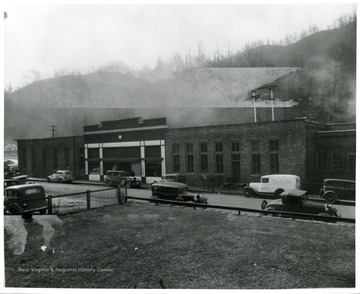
163	165
101	162
142	156
86	162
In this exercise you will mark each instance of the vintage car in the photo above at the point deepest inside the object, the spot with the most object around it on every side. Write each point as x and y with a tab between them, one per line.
120	177
175	191
61	176
296	201
173	178
334	190
24	199
272	186
17	180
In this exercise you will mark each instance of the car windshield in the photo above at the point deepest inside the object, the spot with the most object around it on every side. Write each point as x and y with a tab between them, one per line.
32	191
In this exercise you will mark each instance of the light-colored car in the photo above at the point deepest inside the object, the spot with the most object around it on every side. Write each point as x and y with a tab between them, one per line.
61	176
272	185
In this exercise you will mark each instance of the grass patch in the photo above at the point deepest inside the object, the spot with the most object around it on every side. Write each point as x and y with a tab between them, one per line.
144	246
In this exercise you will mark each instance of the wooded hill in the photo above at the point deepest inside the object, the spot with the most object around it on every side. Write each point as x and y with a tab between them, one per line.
324	89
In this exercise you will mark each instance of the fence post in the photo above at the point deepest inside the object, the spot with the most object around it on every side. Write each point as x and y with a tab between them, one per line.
49	204
88	199
118	194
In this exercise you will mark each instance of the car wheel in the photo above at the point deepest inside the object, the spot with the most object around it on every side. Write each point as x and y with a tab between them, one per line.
248	193
108	182
330	198
278	192
263	204
13	210
128	184
270	209
42	211
61	180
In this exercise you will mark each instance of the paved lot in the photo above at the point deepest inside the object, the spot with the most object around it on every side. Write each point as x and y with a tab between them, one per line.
109	197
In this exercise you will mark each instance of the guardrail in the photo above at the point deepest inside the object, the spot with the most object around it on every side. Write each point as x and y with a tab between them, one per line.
241	209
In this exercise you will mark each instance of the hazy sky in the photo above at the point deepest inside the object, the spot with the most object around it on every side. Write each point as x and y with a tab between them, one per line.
46	38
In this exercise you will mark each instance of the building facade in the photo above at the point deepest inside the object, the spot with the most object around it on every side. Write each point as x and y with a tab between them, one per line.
133	145
41	157
242	153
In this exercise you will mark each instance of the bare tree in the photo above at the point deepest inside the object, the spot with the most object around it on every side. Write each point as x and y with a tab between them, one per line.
253	54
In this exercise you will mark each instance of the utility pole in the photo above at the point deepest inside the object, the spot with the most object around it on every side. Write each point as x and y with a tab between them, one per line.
53	130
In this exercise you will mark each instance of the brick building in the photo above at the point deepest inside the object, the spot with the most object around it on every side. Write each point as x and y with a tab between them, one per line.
244	152
238	152
41	157
133	145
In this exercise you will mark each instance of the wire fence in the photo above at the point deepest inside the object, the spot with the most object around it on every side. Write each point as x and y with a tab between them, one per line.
74	202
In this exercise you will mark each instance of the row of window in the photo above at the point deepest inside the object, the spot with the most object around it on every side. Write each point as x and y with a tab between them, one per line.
55	154
336	161
218	156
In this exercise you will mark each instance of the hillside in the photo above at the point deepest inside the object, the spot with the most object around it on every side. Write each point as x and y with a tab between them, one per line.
324	88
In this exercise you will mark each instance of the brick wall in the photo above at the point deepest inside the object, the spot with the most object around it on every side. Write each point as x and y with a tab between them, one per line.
291	136
31	151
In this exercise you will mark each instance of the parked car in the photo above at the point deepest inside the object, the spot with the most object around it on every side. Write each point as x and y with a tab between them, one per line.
61	176
272	185
175	191
334	190
120	177
24	199
17	180
10	172
173	178
297	201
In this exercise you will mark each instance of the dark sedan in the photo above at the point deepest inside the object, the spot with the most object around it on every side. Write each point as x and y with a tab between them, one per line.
296	201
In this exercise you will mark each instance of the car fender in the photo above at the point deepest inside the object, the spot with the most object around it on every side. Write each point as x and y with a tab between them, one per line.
16	207
330	192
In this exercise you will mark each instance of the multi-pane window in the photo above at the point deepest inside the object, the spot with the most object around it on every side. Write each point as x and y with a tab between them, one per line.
33	158
255	157
274	156
176	157
322	161
189	157
337	160
44	158
55	158
204	159
351	161
235	160
219	157
66	157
